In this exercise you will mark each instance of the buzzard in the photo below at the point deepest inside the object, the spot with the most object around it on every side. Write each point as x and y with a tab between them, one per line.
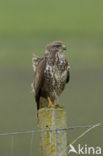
51	73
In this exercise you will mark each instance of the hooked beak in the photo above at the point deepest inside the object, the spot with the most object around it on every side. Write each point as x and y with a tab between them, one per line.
64	47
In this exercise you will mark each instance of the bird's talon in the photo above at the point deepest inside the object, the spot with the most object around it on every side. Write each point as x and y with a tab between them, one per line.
50	104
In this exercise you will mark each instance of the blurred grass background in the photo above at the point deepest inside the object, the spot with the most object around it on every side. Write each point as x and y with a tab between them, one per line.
25	28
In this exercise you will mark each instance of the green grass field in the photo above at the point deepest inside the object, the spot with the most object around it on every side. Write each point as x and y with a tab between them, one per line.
51	17
25	28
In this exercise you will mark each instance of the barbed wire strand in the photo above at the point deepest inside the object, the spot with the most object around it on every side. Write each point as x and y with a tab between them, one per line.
80	136
47	130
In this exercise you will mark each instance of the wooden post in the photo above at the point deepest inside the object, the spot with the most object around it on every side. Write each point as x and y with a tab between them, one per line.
52	143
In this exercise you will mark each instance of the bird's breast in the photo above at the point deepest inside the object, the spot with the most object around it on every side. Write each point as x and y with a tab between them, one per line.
55	75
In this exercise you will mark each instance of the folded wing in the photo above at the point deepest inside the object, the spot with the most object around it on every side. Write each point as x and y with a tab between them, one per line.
38	79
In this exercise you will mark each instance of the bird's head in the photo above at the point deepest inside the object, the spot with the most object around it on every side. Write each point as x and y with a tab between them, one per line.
56	46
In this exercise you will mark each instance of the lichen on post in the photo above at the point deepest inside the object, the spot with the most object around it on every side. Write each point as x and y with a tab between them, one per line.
53	140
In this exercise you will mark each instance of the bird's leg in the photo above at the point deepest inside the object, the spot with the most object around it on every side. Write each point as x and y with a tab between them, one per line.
50	104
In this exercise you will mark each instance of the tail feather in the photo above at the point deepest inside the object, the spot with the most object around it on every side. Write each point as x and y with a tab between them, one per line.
37	99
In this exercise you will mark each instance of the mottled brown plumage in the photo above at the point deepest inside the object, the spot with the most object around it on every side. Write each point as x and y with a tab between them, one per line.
51	73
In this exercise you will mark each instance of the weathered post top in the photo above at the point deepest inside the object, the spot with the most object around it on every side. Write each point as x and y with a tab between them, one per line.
53	140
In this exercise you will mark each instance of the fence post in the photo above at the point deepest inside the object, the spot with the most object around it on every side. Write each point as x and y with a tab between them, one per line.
52	143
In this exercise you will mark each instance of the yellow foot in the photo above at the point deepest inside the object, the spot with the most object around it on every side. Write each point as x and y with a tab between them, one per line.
50	104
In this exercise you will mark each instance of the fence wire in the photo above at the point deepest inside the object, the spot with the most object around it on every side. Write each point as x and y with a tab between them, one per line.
32	132
49	130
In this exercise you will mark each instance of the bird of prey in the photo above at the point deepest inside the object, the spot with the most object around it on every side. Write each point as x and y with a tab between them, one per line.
51	73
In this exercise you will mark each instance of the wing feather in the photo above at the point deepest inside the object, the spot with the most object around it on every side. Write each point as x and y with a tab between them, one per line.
38	79
68	73
35	61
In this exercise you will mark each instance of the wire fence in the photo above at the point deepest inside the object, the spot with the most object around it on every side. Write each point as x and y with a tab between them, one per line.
32	132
